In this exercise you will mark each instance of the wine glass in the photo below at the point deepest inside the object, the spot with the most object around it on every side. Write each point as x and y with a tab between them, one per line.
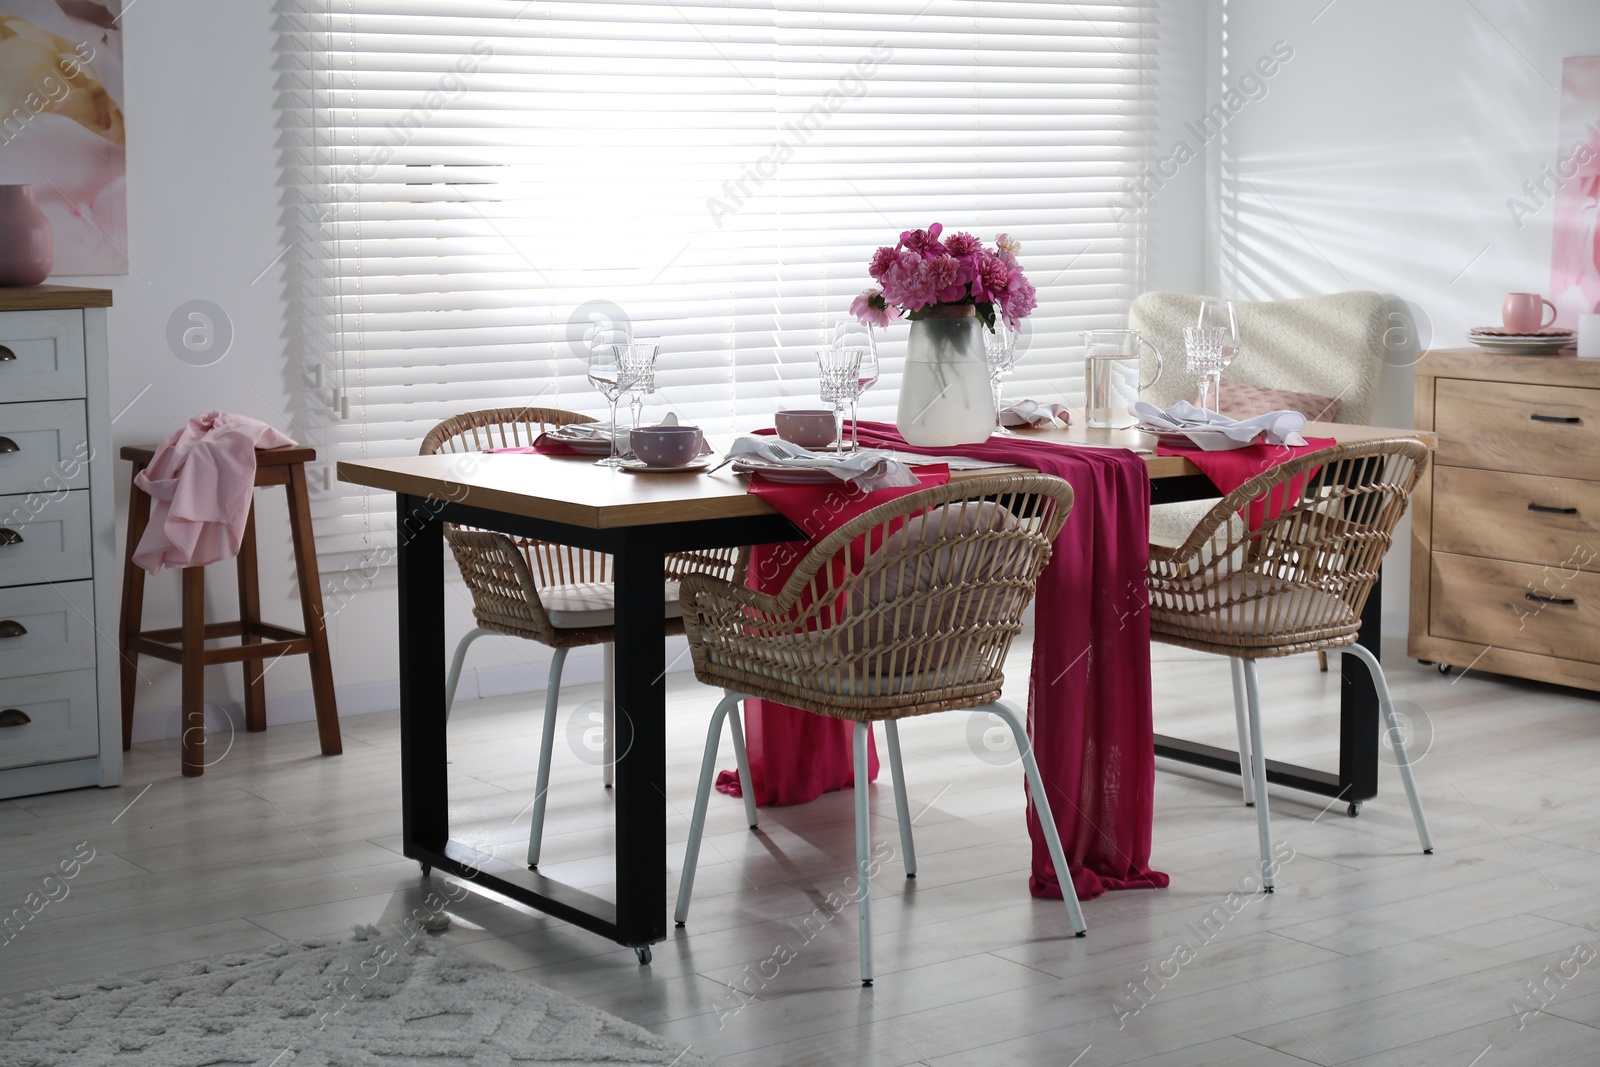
613	367
853	335
1000	348
839	371
1221	346
645	383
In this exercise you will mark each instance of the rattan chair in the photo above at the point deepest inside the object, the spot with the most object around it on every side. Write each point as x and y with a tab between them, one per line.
904	610
1297	583
557	595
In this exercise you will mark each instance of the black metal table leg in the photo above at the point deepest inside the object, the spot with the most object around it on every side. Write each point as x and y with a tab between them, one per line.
1358	709
640	740
424	787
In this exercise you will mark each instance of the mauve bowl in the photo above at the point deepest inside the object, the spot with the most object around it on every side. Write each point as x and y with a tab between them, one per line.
666	446
811	428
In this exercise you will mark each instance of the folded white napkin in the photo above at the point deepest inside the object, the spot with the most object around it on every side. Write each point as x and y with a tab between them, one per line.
1033	413
1216	432
868	469
588	431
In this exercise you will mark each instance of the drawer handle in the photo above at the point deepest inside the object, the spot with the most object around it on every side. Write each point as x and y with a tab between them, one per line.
8	445
12	628
6	355
14	717
1540	598
1568	420
1550	510
8	536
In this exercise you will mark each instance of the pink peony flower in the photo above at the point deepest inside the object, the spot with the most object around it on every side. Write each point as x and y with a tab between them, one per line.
1017	302
905	283
963	244
923	242
872	310
880	262
993	278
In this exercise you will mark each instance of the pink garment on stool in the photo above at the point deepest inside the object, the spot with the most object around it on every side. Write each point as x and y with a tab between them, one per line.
200	482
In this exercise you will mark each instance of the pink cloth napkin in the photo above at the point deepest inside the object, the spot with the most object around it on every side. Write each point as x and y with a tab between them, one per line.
1230	469
201	482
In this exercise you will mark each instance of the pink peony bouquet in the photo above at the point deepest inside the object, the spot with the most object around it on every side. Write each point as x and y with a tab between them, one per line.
923	272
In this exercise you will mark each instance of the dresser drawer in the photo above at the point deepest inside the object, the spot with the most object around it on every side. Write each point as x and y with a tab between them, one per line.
45	538
63	710
59	625
1521	517
1528	429
47	351
52	447
1487	602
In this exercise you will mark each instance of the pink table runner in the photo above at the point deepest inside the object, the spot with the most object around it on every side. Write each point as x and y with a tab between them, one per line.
1089	690
795	756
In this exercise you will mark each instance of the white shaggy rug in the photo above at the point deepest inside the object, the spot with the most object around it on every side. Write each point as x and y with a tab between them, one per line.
367	1004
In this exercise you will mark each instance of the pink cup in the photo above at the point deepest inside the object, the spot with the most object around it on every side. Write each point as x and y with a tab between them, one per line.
1524	312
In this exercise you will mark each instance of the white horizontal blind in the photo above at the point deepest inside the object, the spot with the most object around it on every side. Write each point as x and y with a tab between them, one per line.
475	187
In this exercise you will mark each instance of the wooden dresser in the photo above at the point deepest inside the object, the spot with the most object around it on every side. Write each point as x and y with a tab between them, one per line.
1505	536
60	721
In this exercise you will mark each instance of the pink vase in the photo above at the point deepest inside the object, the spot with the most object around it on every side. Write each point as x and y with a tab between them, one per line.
27	249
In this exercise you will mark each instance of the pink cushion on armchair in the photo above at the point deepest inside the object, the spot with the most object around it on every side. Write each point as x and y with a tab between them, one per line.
1242	401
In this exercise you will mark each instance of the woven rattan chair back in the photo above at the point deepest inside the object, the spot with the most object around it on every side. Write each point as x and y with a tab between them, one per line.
1299	581
505	573
906	609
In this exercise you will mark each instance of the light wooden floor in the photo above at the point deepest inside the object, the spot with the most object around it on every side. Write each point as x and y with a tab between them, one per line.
1369	952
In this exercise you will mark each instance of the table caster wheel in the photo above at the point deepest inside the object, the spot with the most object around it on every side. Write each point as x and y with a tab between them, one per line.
1445	668
426	870
1354	809
643	952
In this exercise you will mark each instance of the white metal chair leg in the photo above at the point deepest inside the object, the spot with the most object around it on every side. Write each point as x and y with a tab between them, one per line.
1401	757
1258	763
1246	768
863	855
455	664
891	731
547	742
609	714
702	797
1041	805
747	787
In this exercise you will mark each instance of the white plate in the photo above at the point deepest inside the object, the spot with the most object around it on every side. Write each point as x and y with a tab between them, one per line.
787	475
1518	346
639	466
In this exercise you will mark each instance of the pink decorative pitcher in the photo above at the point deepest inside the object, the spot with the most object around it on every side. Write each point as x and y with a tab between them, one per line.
27	249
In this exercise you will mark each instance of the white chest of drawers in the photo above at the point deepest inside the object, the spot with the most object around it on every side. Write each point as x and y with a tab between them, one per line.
60	721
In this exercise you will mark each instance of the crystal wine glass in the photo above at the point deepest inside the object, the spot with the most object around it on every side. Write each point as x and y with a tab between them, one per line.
1000	348
839	370
854	335
1217	315
612	368
645	383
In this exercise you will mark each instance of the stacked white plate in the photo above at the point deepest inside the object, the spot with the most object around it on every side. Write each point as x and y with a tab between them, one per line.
1546	342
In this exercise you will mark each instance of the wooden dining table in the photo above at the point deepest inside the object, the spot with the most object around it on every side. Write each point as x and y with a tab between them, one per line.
639	519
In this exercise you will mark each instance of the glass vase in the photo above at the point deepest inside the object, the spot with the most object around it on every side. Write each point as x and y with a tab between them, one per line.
945	397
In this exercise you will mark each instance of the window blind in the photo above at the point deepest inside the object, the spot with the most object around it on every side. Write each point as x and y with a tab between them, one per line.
474	189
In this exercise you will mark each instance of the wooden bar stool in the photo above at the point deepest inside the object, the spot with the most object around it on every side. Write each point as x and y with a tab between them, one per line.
258	641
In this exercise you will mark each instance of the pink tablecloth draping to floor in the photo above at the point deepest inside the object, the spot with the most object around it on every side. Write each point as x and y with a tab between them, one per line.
1089	690
795	756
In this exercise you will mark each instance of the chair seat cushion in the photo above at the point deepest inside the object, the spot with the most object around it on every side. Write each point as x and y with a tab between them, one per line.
1254	612
581	605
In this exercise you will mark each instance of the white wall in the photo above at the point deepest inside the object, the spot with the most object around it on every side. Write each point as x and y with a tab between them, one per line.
204	212
1382	158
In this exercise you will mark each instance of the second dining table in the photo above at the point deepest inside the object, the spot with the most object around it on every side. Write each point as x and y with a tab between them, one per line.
639	519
